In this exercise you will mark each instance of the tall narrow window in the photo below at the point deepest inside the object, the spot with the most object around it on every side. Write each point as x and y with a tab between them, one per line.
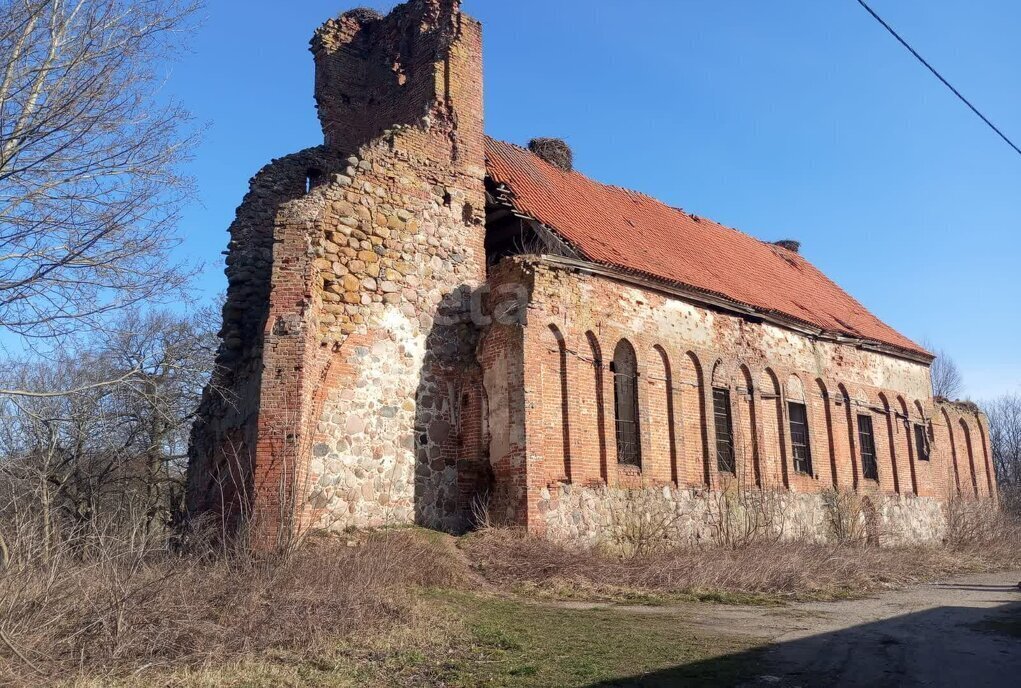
724	431
921	443
799	437
867	440
625	404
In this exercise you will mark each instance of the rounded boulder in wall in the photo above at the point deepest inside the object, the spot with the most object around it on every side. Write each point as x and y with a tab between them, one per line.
439	431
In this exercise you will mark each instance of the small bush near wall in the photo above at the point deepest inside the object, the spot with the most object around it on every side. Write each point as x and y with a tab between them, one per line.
739	516
973	524
845	516
640	525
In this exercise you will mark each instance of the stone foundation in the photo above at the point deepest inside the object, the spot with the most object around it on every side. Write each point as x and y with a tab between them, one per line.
596	516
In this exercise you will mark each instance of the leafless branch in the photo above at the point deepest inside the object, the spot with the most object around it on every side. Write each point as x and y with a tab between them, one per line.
90	190
947	381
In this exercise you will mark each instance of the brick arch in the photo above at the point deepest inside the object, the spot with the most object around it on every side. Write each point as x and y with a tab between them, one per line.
774	449
795	388
556	404
592	417
750	424
990	473
826	417
724	377
926	481
920	409
721	374
850	423
910	449
966	434
953	450
692	382
796	393
626	407
662	425
891	441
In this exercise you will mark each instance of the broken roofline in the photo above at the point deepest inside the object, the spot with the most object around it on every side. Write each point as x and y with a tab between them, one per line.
729	305
715	300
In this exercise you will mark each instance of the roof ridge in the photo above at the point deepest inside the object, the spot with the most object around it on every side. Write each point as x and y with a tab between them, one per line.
694	216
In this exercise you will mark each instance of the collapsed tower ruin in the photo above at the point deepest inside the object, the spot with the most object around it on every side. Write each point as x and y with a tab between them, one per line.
423	323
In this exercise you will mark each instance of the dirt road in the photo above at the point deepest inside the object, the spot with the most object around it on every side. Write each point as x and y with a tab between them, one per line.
965	632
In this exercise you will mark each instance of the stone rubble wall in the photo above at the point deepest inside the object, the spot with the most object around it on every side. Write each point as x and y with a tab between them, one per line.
593	516
348	353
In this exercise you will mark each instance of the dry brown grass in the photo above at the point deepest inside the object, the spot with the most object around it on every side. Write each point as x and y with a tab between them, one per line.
756	572
118	610
117	605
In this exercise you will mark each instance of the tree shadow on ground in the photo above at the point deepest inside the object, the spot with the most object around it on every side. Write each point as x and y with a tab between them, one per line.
945	646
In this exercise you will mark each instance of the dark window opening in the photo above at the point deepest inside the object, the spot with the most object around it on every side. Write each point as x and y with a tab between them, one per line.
313	178
867	440
799	437
724	431
921	443
625	404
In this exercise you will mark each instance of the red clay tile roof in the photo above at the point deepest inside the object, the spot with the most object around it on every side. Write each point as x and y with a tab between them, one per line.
632	231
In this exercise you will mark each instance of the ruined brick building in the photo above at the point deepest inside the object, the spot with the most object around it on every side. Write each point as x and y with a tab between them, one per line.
421	318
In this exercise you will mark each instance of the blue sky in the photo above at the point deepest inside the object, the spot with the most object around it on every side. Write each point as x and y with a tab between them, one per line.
799	119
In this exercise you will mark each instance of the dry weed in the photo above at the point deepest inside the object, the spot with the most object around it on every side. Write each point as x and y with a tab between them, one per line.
119	609
785	569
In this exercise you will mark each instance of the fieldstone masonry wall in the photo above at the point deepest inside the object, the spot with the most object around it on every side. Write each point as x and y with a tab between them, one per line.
594	516
357	353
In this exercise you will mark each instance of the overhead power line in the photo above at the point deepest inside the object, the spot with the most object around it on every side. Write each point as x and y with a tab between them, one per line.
939	76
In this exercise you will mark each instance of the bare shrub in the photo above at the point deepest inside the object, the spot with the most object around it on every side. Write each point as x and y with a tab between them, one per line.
640	524
739	516
973	524
845	516
792	569
480	517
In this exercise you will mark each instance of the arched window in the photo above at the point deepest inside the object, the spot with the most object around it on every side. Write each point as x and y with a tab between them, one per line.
797	412
625	404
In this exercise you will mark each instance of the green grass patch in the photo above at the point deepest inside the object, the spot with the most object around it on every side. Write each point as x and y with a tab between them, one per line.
511	643
463	640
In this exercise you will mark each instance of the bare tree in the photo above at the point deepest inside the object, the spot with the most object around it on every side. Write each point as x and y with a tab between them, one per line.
1005	437
89	154
947	382
106	448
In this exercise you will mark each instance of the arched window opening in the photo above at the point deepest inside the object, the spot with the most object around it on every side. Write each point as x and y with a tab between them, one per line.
922	448
797	412
867	445
725	460
625	404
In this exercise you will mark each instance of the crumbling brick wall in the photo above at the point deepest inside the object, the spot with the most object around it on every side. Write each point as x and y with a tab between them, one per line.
347	391
575	319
